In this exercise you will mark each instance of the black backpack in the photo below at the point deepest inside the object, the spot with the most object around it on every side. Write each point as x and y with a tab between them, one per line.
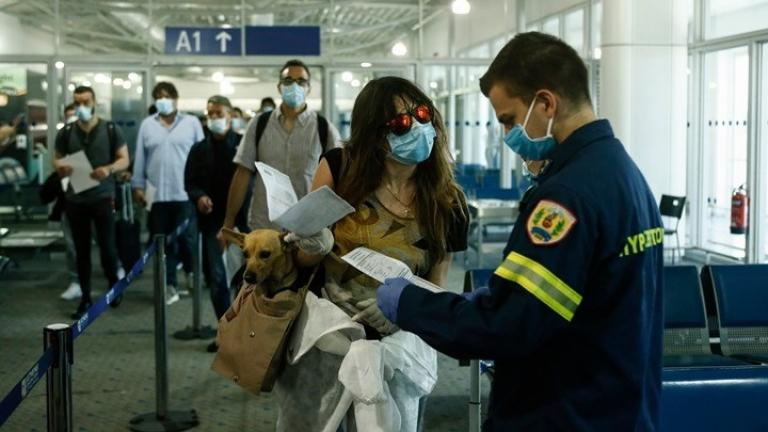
322	130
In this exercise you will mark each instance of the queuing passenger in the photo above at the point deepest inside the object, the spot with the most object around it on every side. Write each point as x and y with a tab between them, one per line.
239	120
396	171
162	147
290	139
105	148
267	105
573	316
73	291
207	175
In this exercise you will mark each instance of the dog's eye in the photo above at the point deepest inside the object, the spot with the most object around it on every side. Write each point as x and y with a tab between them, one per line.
264	254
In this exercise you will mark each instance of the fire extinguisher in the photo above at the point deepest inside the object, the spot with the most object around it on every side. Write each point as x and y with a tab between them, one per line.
739	207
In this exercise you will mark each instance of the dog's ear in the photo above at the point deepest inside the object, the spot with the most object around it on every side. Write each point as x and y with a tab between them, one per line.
235	237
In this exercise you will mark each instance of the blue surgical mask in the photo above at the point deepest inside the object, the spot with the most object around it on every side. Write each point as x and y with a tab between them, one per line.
238	124
218	126
164	106
294	95
84	113
414	146
529	148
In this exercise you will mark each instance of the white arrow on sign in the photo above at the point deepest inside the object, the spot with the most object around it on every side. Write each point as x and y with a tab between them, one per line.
223	37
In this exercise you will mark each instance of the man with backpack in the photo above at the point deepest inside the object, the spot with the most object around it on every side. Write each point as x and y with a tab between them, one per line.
106	150
290	139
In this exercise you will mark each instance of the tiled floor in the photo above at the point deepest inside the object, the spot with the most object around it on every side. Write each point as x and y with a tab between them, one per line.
113	373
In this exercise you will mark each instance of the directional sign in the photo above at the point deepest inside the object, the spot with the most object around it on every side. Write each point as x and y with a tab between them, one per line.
282	40
203	41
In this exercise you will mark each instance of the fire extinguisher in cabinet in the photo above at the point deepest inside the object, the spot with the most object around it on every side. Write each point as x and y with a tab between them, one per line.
739	208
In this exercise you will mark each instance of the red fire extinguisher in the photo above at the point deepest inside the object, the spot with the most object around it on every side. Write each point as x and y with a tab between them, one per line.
739	207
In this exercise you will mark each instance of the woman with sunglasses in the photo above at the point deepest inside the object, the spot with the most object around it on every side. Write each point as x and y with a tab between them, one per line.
397	172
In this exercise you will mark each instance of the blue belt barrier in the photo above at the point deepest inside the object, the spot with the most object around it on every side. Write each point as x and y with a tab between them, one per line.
13	399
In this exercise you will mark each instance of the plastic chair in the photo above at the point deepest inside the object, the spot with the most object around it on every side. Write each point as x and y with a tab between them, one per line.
672	207
741	296
686	335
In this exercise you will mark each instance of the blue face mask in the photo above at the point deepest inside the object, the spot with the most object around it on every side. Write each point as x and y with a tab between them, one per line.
529	148
293	95
238	124
84	113
414	146
164	106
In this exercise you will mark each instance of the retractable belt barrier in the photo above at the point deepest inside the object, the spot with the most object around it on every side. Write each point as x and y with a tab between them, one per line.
20	391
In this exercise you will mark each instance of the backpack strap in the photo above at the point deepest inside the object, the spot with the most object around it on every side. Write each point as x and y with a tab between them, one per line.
112	139
322	131
261	125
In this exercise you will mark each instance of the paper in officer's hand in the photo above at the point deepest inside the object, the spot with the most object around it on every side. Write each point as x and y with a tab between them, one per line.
381	267
80	179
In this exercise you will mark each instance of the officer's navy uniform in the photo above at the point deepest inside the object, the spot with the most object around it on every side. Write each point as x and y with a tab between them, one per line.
574	315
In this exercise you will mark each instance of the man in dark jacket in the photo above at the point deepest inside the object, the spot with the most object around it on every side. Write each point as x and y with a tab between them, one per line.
207	174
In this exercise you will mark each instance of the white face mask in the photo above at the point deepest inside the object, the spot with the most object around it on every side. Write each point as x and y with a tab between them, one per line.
71	119
218	126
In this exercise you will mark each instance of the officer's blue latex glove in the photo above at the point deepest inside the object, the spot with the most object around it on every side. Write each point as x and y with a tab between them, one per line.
388	296
474	294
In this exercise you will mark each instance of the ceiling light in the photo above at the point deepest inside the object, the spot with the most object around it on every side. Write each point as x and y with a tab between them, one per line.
217	76
433	84
335	30
347	76
101	78
226	88
134	77
139	89
355	83
597	53
59	65
117	82
460	7
222	18
399	49
365	64
71	87
127	84
87	83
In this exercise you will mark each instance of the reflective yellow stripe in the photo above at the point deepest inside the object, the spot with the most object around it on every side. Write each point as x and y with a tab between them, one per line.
540	282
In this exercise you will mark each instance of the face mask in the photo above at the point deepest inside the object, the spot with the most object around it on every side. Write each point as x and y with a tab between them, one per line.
238	124
164	106
71	119
218	126
293	95
414	146
84	113
528	148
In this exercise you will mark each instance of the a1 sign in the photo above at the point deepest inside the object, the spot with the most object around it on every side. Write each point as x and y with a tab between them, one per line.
203	41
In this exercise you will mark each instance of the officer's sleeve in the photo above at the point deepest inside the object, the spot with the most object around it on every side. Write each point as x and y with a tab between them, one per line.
534	293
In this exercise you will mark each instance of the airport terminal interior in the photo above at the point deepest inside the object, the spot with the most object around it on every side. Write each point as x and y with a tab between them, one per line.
683	83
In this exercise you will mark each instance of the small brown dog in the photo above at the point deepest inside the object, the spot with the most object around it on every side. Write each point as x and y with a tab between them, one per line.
269	259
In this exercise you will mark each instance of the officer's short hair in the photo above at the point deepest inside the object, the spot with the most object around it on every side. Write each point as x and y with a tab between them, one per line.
167	87
295	62
85	89
533	61
220	100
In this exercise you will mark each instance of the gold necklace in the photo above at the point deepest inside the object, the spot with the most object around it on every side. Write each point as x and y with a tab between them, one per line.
405	206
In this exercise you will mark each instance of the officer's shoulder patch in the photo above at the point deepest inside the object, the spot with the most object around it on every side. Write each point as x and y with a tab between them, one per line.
549	223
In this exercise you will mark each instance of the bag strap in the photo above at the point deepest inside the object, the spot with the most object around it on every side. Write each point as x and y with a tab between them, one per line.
112	139
261	125
322	131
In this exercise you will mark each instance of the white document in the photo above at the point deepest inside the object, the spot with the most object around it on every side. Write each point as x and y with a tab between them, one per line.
149	195
307	216
280	193
80	179
315	211
381	267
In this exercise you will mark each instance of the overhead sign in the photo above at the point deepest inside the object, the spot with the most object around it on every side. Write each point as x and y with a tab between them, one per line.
259	40
203	41
282	40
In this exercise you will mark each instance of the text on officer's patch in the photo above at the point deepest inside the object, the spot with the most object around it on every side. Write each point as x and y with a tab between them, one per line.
639	242
549	223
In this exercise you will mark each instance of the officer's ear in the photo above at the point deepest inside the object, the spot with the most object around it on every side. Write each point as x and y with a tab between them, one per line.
550	100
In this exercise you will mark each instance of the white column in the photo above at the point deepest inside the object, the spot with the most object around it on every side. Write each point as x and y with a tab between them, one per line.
643	86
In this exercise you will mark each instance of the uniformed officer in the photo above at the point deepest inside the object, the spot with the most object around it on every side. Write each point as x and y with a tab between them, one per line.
573	316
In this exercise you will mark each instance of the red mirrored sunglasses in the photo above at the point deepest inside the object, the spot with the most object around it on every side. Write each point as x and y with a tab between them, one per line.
402	122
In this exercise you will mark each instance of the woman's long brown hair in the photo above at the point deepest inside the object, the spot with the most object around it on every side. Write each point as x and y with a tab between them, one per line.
437	194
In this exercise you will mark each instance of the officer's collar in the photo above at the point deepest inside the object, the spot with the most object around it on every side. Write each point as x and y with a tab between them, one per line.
579	139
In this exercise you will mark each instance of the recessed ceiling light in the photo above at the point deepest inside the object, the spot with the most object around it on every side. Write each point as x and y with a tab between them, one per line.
399	49
461	7
365	64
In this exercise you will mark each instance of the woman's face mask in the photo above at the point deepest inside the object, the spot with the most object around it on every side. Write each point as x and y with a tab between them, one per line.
414	146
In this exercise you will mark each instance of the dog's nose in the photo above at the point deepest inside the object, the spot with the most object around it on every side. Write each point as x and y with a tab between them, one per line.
250	277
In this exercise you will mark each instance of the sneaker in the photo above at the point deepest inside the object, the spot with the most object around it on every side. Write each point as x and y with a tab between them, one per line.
171	295
72	292
120	273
